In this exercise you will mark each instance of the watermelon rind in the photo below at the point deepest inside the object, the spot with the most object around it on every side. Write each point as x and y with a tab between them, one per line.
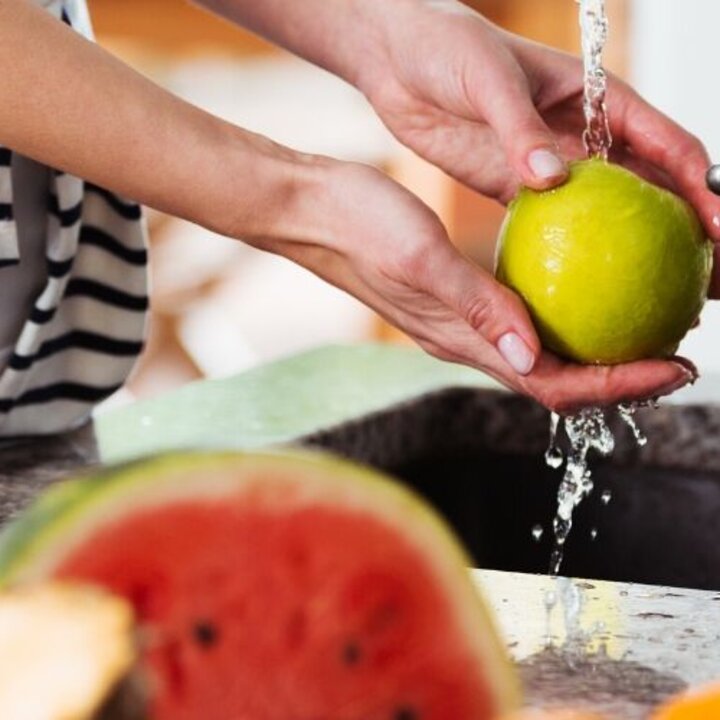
60	521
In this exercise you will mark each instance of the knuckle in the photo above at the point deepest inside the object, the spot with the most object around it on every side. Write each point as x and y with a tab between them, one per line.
551	399
414	263
556	400
599	390
685	147
480	314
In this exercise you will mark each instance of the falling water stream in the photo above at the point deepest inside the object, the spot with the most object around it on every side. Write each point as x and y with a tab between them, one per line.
594	32
585	431
588	429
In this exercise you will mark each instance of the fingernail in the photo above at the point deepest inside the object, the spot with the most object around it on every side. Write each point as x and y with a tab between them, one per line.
688	378
688	366
715	220
545	164
516	353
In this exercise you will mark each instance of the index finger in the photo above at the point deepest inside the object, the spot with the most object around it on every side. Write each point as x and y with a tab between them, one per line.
566	387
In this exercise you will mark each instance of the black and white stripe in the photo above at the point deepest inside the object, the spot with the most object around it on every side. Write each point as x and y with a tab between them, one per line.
87	325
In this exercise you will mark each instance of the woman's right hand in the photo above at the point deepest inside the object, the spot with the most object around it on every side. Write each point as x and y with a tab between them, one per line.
367	235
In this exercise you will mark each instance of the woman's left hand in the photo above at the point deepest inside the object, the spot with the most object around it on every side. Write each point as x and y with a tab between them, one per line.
495	110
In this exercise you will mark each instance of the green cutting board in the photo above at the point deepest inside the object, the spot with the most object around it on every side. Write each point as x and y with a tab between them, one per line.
279	402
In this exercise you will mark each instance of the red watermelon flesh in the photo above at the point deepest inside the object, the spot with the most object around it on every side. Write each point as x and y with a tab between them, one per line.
287	610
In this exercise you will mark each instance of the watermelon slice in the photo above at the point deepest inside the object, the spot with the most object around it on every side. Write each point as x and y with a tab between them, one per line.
280	586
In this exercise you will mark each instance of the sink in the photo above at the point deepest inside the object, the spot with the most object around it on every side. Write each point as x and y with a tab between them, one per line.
477	456
474	451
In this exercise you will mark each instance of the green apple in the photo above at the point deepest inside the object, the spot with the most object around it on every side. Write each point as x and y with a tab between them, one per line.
611	267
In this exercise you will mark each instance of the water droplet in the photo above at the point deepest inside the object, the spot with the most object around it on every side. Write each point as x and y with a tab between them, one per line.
553	455
537	532
627	413
606	497
593	534
556	558
146	421
550	599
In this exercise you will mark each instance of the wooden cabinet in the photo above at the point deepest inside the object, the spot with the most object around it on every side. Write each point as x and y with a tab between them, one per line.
178	26
171	27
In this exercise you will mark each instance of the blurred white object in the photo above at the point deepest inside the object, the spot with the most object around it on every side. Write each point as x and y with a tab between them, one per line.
268	307
236	307
290	101
673	46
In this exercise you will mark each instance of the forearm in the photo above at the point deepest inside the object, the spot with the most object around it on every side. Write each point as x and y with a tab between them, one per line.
342	36
68	104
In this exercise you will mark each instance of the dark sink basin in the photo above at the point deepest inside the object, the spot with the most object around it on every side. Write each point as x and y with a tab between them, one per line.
477	456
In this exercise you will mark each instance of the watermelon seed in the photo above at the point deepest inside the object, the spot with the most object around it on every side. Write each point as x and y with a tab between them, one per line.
205	633
351	653
405	713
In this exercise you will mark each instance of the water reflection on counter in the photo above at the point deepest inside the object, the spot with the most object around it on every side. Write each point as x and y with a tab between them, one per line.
611	647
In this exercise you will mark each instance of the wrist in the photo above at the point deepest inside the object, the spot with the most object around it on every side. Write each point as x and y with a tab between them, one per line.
394	33
277	195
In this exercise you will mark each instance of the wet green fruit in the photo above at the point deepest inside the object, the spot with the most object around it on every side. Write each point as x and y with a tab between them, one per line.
611	267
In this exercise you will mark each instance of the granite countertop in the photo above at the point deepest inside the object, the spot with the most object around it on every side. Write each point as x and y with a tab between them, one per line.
616	648
29	466
613	647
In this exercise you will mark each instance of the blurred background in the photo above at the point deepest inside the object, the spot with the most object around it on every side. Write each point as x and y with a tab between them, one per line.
220	307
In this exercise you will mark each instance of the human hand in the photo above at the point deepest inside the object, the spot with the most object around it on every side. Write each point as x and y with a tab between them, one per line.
461	93
495	110
371	237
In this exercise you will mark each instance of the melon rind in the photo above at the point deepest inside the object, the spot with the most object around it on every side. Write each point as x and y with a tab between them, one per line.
36	543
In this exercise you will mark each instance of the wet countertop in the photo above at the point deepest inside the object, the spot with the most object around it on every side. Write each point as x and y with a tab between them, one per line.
616	648
613	647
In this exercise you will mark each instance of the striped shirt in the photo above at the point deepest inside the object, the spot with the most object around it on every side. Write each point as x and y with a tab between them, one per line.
84	328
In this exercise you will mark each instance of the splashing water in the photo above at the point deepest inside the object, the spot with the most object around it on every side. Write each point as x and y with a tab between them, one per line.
585	431
594	32
550	599
582	641
627	413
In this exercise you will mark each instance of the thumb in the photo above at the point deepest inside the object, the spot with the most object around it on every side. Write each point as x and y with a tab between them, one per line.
490	308
529	144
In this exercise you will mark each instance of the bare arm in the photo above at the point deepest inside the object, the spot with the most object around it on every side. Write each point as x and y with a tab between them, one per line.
330	33
69	104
